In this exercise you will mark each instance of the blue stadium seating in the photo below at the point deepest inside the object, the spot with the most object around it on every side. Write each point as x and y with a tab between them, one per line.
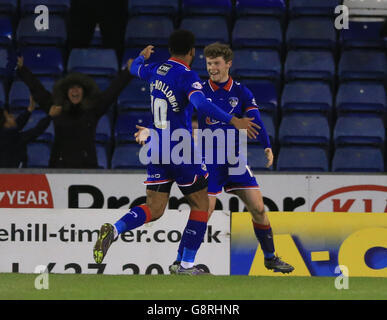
257	32
94	61
3	63
159	7
54	6
362	34
134	96
8	6
362	65
160	54
265	94
6	31
262	64
154	30
357	159
309	64
2	96
19	95
359	129
199	64
27	34
358	96
43	60
102	157
38	155
35	117
204	7
126	156
307	32
299	158
256	158
307	96
315	7
103	131
262	7
126	125
304	128
206	29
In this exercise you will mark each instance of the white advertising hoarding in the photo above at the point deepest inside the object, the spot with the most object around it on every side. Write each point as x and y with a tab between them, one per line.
63	240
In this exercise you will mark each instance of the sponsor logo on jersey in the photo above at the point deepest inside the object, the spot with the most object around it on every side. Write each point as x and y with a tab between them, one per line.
163	69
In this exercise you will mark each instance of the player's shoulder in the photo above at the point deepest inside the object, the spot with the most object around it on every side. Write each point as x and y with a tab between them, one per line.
241	88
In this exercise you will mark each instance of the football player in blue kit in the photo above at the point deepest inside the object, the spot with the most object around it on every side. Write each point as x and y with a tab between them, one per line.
174	89
235	99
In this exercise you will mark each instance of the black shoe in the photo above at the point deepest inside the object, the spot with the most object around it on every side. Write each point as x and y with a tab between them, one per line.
277	265
105	239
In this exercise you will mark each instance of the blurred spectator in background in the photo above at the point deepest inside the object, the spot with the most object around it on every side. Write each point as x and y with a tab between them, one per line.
13	141
83	104
111	16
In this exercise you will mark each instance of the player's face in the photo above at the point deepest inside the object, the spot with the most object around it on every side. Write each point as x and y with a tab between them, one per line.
75	94
218	69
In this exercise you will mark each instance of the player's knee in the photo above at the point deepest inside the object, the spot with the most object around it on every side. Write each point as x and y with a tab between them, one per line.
258	211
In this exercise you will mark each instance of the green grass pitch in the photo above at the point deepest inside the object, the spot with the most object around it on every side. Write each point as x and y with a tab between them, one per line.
167	287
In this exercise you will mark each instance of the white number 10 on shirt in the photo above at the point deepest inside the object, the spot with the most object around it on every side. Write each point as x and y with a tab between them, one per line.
159	110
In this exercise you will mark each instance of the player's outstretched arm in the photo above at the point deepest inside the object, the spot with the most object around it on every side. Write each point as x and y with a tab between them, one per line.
136	64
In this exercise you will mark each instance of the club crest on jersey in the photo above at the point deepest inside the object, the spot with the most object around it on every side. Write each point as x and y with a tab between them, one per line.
233	101
197	85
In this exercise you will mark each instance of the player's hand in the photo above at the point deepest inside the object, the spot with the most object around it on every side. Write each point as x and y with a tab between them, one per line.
269	157
141	135
55	111
246	123
147	52
20	62
31	106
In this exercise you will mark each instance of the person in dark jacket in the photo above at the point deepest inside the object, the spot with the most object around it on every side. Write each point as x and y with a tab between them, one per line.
83	104
13	141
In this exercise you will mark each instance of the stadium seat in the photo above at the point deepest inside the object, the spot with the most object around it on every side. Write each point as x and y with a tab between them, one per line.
264	32
204	7
363	33
43	60
206	29
304	128
27	34
158	7
3	63
256	158
2	96
126	156
154	29
54	6
308	64
357	159
366	8
94	61
358	96
19	95
199	64
160	55
135	95
307	96
126	125
299	158
315	7
38	155
259	64
6	31
359	64
265	94
102	157
35	117
103	131
307	32
8	6
263	7
359	129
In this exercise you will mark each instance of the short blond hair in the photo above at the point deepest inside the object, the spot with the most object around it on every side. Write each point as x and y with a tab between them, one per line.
218	49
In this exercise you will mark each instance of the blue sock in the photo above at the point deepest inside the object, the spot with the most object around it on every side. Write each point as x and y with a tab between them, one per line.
192	236
264	235
135	218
